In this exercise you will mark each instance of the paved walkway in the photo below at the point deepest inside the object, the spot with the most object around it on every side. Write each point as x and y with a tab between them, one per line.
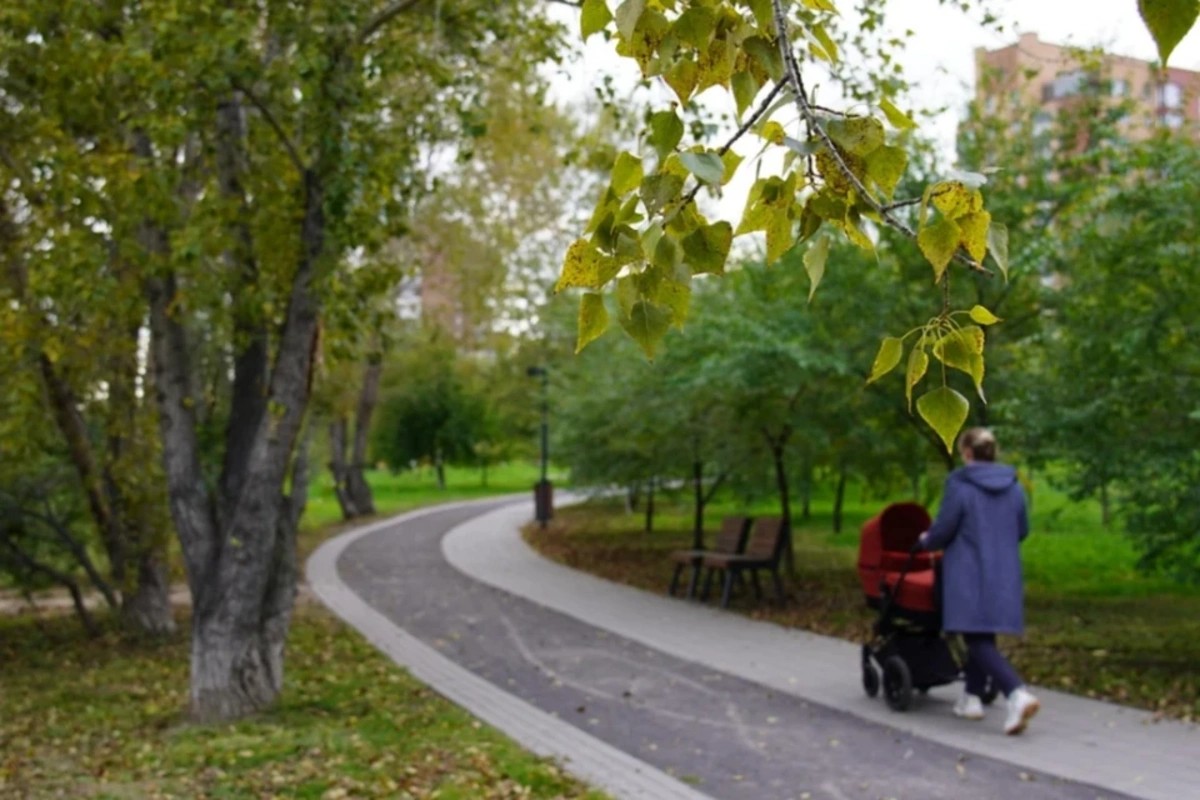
631	688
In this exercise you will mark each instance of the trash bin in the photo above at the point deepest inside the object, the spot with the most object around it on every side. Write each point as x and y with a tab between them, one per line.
543	501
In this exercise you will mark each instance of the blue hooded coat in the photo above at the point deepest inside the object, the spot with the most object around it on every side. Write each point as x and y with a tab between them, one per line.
981	523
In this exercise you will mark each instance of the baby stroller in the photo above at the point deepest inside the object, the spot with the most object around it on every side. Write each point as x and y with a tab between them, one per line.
908	647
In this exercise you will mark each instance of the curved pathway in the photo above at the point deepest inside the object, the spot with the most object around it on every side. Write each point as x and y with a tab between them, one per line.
657	698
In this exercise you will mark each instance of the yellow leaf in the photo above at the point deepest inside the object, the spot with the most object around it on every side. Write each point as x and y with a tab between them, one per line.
939	243
887	358
945	410
918	364
593	319
975	233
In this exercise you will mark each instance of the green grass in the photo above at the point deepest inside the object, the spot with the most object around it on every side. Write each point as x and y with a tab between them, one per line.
1096	625
104	718
403	491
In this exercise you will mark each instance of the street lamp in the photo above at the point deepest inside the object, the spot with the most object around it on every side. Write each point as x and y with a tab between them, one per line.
543	492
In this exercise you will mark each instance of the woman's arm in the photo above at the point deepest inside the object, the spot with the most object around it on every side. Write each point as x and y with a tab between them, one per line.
945	527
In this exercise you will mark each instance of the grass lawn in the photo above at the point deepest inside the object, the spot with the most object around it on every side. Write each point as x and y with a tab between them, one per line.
103	718
1095	625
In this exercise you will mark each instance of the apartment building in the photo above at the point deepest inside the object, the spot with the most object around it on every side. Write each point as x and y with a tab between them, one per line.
1035	74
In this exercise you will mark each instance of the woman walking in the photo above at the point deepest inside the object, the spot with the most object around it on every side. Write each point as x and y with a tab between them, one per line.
981	523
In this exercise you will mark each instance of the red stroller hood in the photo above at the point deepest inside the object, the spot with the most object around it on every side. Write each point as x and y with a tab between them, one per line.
886	540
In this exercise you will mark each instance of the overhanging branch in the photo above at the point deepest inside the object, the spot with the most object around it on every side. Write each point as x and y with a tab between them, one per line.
808	113
383	17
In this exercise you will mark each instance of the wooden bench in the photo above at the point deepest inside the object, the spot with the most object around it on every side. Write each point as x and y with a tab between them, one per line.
763	551
730	540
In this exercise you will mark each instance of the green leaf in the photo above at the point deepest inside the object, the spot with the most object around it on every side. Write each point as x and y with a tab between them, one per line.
887	358
821	5
886	166
682	79
1168	21
974	233
939	243
895	117
594	18
647	323
666	130
982	316
918	365
695	26
585	267
628	14
827	43
856	135
997	241
766	54
658	190
745	89
781	234
626	173
814	263
955	350
732	161
677	297
708	167
667	254
945	410
593	320
706	249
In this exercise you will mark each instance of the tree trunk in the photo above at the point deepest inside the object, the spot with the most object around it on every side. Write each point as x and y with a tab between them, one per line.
356	483
148	609
806	491
1105	506
650	506
785	505
698	490
337	466
839	499
439	468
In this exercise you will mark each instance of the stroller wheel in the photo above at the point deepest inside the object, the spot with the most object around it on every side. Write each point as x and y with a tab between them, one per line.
897	684
990	692
870	680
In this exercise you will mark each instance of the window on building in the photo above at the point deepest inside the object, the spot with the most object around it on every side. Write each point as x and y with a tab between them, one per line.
1068	84
1170	95
1120	87
1172	119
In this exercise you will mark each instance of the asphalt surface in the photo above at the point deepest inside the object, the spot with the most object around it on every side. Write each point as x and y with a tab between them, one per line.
727	737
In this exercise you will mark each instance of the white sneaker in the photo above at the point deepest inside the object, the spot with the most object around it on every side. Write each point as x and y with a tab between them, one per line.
1021	707
968	706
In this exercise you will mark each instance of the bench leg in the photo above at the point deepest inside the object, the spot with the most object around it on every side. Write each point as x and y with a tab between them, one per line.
675	580
693	579
779	595
727	590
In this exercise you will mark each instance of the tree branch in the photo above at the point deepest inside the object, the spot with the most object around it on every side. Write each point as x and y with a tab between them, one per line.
808	113
385	15
293	153
746	126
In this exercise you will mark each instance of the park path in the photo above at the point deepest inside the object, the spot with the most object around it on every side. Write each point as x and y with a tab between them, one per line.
651	697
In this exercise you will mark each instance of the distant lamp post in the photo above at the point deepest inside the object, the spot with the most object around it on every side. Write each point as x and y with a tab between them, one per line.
543	492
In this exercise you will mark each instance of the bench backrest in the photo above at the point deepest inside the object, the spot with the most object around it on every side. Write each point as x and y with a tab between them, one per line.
732	536
766	538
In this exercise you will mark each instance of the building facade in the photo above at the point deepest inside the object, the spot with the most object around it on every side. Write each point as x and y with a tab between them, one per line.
1032	74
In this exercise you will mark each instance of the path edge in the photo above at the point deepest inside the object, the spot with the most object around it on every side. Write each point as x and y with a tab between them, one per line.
590	759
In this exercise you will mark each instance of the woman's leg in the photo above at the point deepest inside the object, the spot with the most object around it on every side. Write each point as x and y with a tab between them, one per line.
984	659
